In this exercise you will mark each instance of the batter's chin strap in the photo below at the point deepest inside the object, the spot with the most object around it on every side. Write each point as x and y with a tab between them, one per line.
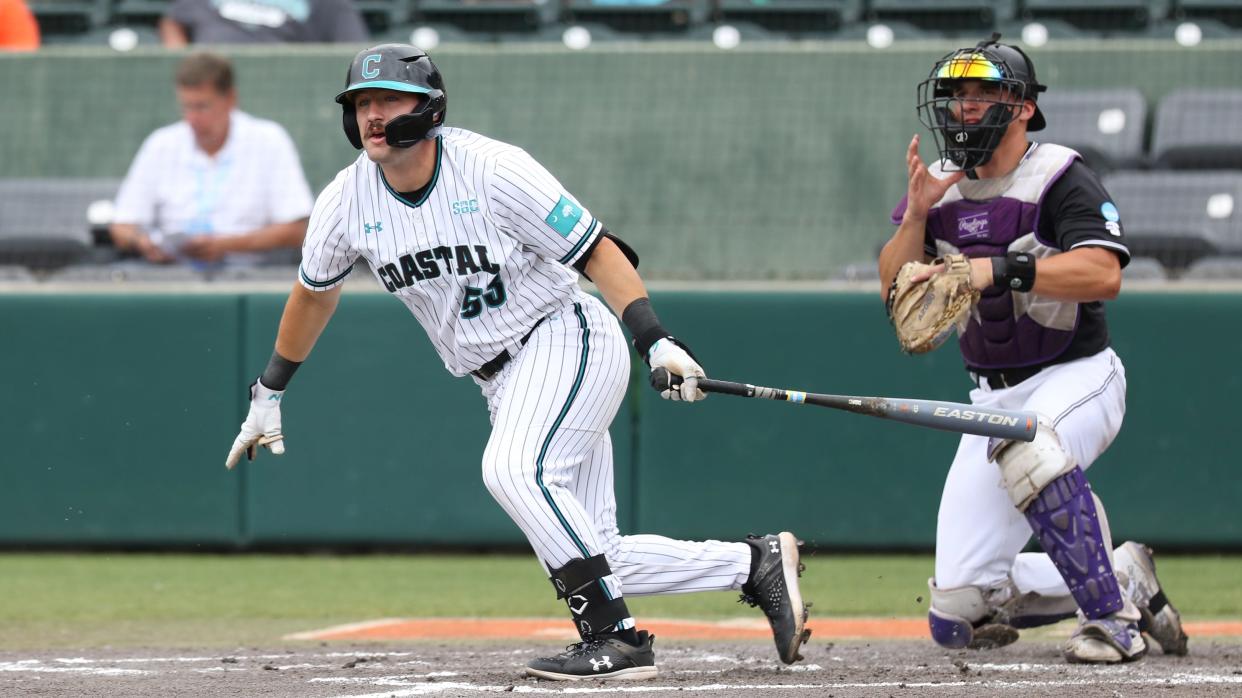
581	584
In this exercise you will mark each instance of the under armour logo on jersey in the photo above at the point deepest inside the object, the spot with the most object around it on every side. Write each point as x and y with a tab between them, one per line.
602	663
775	546
377	228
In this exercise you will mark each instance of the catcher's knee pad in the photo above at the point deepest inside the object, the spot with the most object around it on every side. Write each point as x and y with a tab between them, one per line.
1028	467
581	583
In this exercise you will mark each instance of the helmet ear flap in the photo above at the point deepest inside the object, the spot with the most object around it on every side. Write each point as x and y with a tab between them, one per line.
349	122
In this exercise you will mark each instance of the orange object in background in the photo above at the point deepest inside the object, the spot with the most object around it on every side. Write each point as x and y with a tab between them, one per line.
18	29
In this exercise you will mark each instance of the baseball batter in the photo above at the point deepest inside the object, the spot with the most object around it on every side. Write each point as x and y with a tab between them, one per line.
1045	247
484	247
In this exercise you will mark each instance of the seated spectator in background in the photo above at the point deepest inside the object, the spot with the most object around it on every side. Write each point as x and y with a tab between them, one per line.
217	186
18	29
261	21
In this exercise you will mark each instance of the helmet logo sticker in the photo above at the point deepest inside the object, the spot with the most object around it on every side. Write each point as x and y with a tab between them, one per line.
367	71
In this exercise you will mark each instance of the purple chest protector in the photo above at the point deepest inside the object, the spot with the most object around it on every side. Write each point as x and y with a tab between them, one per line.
987	218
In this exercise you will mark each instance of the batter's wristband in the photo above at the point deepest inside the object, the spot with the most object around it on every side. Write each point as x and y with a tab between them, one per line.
279	372
1015	271
643	325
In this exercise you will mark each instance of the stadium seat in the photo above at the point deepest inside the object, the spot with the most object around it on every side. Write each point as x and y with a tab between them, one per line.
10	273
653	17
1105	125
1199	129
1179	217
1226	11
141	12
1104	16
949	17
492	17
282	274
43	221
382	15
1204	28
57	17
792	17
1214	269
1144	269
125	272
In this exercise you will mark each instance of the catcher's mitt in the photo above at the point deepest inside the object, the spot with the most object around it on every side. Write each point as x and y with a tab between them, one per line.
925	313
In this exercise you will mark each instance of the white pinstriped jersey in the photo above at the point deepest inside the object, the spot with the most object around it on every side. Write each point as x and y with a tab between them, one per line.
483	255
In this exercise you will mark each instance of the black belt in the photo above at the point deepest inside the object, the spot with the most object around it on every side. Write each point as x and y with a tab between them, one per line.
491	368
998	378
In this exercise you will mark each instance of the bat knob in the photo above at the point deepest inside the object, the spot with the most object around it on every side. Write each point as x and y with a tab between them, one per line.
661	379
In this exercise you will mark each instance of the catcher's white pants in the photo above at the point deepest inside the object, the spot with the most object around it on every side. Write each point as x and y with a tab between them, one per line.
548	461
979	532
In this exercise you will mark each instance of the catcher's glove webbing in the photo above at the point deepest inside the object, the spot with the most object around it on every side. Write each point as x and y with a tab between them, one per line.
925	313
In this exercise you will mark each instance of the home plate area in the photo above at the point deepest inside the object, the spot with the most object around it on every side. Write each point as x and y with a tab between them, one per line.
466	657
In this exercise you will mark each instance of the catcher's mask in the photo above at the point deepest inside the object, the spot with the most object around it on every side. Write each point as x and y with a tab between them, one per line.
1000	66
403	68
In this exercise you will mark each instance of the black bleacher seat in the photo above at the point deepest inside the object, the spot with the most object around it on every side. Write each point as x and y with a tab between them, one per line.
949	17
1144	269
1179	217
1215	269
43	221
1199	129
276	274
489	17
650	17
1105	125
126	272
57	17
140	12
14	273
1226	11
790	17
1103	16
383	15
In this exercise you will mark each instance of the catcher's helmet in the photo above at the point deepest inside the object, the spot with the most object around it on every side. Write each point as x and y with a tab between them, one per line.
971	145
403	68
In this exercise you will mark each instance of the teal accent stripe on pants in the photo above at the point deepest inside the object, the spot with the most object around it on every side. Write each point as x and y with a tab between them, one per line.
573	392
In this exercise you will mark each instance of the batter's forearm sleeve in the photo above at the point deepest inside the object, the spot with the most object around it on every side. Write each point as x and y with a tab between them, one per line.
643	325
279	372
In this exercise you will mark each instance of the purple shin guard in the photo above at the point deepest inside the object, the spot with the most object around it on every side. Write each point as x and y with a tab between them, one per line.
1064	518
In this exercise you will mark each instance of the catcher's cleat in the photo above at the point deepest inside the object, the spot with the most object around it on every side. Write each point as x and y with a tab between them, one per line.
1136	574
605	656
990	636
1109	640
773	587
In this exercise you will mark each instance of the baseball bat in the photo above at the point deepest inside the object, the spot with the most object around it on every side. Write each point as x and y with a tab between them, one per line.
936	414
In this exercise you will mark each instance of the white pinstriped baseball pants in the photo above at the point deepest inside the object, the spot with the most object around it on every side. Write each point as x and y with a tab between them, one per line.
979	532
548	461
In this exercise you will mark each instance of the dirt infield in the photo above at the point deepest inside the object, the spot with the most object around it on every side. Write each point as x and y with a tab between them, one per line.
735	667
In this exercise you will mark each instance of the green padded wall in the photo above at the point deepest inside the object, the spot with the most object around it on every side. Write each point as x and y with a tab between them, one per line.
119	409
115	413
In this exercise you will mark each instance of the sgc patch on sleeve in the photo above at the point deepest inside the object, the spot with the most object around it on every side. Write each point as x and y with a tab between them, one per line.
564	216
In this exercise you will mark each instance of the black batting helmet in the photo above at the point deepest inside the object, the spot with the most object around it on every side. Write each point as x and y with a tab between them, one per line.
403	68
971	145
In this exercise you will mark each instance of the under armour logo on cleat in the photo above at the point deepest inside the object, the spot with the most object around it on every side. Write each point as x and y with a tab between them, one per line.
775	545
603	662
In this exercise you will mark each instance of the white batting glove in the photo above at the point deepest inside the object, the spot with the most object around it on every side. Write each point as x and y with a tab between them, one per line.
262	425
667	354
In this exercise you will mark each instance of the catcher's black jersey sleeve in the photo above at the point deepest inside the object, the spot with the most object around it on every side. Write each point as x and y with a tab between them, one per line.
1078	212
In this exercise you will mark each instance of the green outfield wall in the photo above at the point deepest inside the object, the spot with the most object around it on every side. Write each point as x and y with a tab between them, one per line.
777	161
118	411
